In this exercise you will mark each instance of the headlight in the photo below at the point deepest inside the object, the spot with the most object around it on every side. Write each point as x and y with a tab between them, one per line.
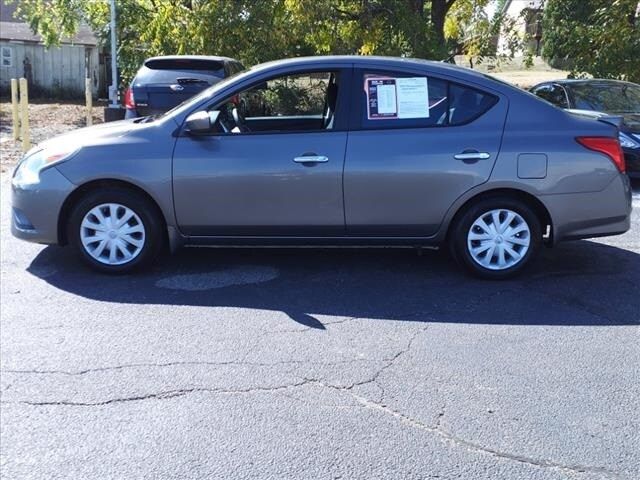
28	171
627	142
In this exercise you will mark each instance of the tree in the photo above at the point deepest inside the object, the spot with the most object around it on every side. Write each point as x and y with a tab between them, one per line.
245	29
439	10
257	31
475	34
595	37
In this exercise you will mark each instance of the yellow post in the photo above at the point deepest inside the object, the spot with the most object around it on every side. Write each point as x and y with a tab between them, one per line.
15	109
24	111
89	99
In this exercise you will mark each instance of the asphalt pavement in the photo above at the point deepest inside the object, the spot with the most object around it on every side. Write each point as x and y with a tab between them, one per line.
320	364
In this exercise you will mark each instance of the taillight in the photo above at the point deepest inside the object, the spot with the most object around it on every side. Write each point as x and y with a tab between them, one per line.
609	146
129	101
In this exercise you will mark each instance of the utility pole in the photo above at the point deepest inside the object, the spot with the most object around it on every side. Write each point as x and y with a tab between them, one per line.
113	89
113	111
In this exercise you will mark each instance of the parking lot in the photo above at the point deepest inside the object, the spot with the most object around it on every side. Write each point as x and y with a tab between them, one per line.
372	363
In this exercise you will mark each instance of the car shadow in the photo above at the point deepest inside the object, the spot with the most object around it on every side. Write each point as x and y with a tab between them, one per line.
578	283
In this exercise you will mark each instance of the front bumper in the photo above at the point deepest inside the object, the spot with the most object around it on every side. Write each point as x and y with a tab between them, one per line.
36	208
592	214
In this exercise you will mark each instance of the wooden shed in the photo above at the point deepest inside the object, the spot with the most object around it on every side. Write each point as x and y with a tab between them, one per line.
55	71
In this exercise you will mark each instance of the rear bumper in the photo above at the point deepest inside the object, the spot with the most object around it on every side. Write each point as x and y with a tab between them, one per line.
593	214
36	208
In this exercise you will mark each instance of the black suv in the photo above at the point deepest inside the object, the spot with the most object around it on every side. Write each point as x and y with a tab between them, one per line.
600	98
164	82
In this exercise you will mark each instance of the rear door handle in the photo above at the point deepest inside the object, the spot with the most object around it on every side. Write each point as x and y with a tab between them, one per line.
311	159
472	156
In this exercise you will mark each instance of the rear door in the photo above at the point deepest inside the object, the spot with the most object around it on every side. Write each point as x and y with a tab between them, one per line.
417	142
161	84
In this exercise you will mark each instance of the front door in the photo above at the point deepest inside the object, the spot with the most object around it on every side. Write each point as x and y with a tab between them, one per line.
273	167
417	144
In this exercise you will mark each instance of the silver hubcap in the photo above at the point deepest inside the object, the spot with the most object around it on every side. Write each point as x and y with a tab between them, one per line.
499	239
112	234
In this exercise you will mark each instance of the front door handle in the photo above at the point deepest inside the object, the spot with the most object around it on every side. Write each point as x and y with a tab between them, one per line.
472	156
311	159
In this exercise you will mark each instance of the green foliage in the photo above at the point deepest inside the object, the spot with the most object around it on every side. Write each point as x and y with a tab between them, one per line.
292	97
245	29
476	34
367	27
250	30
594	37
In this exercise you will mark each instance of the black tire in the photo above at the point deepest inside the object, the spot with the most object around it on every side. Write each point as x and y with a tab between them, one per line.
458	237
154	236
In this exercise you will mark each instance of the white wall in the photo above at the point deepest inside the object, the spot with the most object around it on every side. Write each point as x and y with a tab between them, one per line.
55	69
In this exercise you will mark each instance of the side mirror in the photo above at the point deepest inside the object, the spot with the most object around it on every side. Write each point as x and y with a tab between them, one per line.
201	122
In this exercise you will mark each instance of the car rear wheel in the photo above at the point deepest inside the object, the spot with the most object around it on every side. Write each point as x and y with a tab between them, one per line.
496	238
115	230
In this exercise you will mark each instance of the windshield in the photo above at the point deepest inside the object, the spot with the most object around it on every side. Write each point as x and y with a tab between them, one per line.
607	97
207	93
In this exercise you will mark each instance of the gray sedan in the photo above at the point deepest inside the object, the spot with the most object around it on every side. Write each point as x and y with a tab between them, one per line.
344	151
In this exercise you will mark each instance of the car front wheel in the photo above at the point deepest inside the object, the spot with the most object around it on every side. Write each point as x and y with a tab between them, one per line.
115	230
496	238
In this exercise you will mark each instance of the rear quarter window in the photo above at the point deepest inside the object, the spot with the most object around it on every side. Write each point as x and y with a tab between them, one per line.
401	100
466	104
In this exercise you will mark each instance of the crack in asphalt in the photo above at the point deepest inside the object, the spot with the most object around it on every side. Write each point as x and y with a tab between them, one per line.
242	362
364	402
473	446
159	396
390	362
172	364
182	392
435	429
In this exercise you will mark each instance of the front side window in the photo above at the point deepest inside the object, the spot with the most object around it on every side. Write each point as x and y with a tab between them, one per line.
401	100
301	102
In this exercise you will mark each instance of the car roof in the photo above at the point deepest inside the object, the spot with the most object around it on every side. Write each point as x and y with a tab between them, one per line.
363	59
211	58
584	81
378	61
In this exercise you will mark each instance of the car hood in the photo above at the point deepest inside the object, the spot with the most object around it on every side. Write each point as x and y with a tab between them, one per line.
95	135
630	121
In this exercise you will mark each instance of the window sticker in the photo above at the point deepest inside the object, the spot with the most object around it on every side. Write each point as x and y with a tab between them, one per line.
381	98
397	98
413	97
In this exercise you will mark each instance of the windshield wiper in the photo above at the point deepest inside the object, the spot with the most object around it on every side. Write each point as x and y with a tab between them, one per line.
184	80
147	118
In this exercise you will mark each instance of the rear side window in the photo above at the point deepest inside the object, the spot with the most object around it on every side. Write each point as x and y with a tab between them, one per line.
466	104
400	100
168	70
